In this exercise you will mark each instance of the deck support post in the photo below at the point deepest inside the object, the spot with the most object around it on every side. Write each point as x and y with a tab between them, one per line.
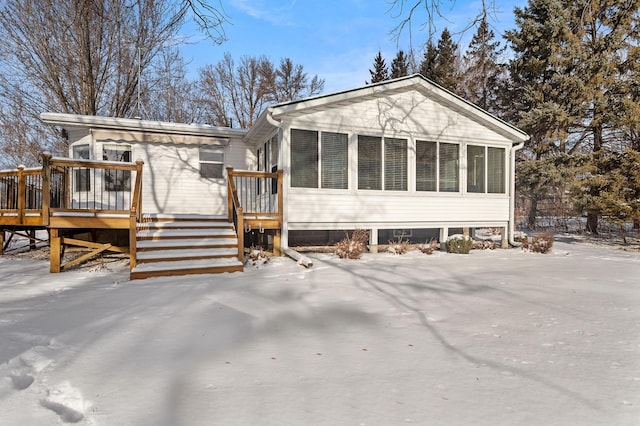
46	187
133	237
1	241
55	253
373	240
32	239
503	237
22	193
240	232
276	243
444	234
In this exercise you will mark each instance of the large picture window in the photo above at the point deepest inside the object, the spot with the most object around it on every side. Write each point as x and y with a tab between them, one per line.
117	180
485	169
437	166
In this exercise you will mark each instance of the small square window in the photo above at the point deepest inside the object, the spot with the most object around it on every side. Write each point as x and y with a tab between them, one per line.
211	162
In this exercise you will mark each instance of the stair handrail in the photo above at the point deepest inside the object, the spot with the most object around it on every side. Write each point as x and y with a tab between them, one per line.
235	213
135	215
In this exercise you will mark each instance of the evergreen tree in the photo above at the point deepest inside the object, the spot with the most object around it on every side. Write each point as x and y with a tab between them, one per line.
482	70
570	77
400	65
441	64
379	72
429	61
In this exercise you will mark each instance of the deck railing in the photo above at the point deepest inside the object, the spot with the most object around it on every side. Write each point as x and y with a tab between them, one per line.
21	195
67	186
254	198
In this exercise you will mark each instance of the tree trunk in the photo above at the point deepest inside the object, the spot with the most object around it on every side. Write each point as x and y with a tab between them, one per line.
592	222
533	212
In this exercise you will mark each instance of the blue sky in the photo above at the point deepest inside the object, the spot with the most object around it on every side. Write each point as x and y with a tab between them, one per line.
336	39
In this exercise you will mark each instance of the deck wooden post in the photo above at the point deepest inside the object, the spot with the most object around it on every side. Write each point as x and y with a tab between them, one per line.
32	239
133	231
46	187
22	193
280	199
229	194
55	252
240	232
1	241
138	190
277	249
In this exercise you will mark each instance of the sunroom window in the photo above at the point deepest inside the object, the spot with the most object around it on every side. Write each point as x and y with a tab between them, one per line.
319	159
382	161
304	158
334	158
485	169
437	166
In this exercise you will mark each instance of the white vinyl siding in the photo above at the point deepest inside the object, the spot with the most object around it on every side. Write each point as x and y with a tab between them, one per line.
304	158
395	164
335	160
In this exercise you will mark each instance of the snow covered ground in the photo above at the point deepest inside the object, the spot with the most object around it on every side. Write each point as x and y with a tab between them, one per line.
491	338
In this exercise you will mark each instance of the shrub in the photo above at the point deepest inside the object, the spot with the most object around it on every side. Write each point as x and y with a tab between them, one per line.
430	247
538	243
257	257
353	247
484	245
460	244
398	247
519	236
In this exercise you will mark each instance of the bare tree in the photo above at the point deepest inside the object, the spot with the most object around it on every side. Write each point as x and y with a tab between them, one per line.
86	57
166	93
428	11
236	94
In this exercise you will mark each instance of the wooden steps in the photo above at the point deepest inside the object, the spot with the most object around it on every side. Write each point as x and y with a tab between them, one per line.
183	245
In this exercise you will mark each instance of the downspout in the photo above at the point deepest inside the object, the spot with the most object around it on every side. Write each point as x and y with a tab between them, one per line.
284	233
512	193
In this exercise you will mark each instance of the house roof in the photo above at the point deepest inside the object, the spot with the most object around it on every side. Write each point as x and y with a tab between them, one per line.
267	122
95	122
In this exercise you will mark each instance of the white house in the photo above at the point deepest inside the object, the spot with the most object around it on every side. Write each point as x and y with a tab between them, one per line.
400	158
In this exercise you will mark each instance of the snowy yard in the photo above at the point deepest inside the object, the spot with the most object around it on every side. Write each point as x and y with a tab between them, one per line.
495	337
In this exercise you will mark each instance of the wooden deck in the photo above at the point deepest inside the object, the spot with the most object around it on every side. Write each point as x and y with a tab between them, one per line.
75	200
